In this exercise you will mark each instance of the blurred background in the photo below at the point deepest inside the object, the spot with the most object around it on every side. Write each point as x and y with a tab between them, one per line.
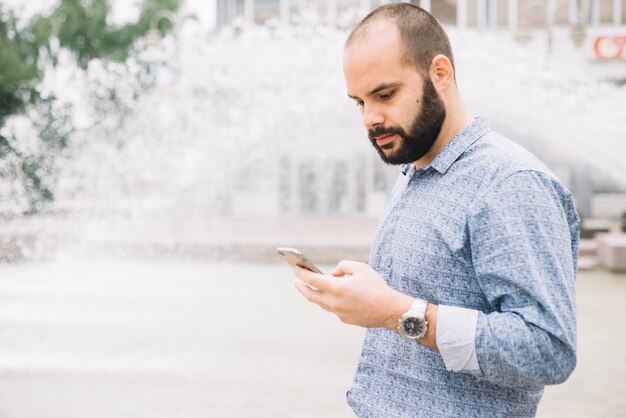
154	153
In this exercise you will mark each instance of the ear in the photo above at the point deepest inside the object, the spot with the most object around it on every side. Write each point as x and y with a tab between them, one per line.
441	72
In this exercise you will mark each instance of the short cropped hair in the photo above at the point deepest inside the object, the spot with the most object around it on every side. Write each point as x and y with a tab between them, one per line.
422	35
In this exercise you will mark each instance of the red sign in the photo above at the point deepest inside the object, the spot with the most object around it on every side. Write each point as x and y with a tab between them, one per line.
610	47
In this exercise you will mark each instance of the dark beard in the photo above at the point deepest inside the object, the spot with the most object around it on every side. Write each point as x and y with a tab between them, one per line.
422	134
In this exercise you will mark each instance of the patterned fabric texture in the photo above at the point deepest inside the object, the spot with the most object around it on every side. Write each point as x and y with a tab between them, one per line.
485	226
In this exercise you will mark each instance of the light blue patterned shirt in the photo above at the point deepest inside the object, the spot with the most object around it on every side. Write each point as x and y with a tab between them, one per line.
489	234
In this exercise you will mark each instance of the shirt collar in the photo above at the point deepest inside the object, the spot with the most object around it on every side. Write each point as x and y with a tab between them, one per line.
453	150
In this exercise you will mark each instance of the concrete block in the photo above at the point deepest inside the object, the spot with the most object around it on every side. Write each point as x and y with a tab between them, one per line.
612	251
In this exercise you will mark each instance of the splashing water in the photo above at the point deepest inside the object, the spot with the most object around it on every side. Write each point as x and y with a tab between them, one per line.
258	124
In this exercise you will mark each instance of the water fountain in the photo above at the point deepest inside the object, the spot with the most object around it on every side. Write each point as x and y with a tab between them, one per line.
247	130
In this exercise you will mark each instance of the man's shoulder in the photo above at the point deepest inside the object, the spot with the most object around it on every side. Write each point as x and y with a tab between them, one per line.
496	157
501	155
494	161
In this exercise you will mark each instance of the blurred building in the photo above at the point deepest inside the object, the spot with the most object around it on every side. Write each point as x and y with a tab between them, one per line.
597	27
462	13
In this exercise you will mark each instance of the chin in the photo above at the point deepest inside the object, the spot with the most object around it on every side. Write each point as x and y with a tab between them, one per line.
388	149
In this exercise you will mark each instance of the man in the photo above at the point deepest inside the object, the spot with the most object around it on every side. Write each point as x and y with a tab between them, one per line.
469	295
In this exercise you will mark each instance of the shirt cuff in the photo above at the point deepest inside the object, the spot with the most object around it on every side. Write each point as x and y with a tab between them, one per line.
456	338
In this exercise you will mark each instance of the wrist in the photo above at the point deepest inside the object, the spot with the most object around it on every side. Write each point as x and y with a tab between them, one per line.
430	338
398	305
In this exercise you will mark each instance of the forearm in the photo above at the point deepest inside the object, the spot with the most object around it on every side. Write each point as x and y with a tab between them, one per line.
506	349
512	351
515	348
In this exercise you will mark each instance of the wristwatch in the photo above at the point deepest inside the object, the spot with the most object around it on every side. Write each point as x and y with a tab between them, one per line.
413	324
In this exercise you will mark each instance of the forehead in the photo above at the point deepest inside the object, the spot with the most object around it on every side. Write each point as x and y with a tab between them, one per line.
376	57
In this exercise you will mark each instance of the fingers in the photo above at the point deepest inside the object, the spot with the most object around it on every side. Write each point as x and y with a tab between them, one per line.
315	296
306	291
316	280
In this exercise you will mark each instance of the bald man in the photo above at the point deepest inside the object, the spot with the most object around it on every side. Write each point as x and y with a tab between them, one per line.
468	297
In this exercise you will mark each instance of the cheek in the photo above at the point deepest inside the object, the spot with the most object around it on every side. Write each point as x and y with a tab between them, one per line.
410	113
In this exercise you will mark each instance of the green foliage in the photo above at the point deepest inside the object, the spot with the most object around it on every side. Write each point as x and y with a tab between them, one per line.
81	26
18	67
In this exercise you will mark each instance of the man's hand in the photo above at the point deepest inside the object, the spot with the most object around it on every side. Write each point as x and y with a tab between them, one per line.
356	293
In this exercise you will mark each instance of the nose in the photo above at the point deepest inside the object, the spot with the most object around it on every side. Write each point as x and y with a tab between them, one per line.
372	116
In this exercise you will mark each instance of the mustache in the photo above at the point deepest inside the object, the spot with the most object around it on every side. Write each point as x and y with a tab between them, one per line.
381	130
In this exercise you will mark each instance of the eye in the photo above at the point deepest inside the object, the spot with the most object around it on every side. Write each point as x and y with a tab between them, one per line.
386	96
359	104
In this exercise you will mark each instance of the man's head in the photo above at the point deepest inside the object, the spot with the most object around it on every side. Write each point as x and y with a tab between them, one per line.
391	59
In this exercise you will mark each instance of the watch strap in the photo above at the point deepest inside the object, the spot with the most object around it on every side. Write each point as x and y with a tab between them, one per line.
418	308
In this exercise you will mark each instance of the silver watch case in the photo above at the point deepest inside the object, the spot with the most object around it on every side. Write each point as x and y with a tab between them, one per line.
413	324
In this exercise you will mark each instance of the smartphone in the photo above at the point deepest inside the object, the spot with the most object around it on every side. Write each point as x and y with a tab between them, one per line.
296	258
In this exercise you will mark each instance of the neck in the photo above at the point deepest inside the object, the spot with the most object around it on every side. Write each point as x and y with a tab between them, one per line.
457	119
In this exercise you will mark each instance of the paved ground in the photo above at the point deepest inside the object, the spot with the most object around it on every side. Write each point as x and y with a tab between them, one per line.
185	339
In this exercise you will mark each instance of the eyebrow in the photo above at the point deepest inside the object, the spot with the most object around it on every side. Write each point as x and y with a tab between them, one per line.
380	87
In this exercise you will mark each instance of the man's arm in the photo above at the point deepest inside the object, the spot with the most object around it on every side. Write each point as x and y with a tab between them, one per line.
522	246
524	241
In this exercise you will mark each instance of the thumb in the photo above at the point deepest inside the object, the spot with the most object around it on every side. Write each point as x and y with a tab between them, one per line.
345	267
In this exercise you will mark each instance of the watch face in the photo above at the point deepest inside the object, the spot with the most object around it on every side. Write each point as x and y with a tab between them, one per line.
412	326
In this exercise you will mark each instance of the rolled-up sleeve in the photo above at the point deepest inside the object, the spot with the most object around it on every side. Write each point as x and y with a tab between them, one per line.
456	336
524	241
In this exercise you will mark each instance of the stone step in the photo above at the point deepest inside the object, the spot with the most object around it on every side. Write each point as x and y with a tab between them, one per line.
612	251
